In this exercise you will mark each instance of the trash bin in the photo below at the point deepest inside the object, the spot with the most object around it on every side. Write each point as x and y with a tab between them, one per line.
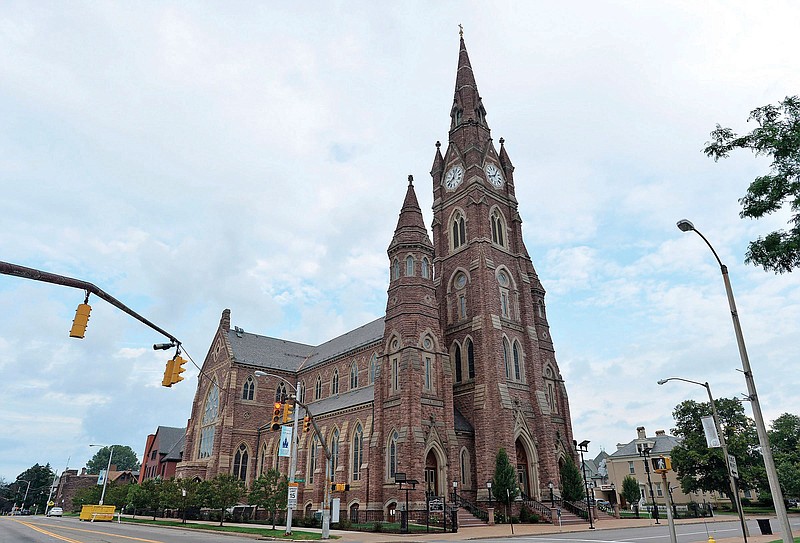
763	525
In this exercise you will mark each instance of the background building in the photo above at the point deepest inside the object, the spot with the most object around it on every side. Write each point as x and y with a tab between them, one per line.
162	452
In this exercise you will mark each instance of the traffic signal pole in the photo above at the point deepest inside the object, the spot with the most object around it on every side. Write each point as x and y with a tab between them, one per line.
293	459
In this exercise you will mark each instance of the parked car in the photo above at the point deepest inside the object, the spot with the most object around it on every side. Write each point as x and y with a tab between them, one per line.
55	512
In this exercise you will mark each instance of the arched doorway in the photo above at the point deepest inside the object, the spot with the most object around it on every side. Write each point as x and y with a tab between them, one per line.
522	469
431	474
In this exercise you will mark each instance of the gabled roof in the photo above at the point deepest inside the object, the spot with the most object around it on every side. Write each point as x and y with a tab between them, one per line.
280	354
167	437
662	444
176	452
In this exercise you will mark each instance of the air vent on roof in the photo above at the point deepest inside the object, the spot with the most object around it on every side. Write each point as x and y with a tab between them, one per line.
239	331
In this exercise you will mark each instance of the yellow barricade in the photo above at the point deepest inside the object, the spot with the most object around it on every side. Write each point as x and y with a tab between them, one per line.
97	512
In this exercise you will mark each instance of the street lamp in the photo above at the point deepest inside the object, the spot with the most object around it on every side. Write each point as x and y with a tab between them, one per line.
644	452
294	445
552	499
718	426
489	491
763	440
27	488
183	493
583	447
108	471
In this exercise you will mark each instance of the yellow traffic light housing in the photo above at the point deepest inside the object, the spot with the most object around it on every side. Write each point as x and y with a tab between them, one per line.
340	487
81	320
177	369
167	381
276	416
306	424
288	411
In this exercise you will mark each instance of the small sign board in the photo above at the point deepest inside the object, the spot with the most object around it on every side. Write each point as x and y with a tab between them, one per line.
291	502
436	505
286	441
733	467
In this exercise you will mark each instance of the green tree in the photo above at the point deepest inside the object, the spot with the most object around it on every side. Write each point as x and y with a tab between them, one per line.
504	482
784	438
269	492
572	487
137	497
778	137
151	500
631	492
124	458
221	492
700	467
86	496
41	479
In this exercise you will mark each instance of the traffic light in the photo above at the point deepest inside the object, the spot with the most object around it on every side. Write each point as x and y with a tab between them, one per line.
661	464
339	487
172	373
306	424
288	410
80	321
276	416
167	381
177	369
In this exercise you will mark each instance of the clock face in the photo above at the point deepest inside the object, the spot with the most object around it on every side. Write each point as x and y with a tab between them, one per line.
494	175
454	177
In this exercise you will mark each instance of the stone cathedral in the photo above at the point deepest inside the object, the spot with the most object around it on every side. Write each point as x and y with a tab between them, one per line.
461	365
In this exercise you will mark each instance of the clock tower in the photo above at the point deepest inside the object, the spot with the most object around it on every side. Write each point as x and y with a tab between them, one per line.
506	382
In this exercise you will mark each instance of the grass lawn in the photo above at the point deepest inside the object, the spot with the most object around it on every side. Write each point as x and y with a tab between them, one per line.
265	532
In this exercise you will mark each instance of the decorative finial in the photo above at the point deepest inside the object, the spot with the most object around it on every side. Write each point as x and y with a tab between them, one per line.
410	180
438	144
502	141
460	30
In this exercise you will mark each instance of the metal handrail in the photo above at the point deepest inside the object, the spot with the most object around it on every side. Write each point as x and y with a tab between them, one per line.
473	509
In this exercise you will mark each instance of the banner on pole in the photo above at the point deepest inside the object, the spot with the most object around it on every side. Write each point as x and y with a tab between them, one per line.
286	441
710	429
102	477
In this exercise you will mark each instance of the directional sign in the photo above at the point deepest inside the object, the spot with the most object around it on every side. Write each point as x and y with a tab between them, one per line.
291	502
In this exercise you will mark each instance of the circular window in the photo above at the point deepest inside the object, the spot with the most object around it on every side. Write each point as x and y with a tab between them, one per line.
461	280
395	344
427	343
502	278
548	372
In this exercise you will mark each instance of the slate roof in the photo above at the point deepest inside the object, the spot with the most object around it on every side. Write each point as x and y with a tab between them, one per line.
662	444
167	437
351	398
176	452
461	423
280	354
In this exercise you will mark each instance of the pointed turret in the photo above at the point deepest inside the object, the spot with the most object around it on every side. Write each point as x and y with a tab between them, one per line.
467	104
505	161
410	229
438	162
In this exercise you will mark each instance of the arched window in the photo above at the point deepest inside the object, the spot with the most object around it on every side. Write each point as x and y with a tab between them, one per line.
280	392
498	228
396	269
240	463
209	423
470	359
373	364
540	308
353	375
335	382
301	392
458	230
549	377
425	268
249	389
357	451
457	360
506	358
312	459
334	450
391	455
318	388
262	461
409	266
517	371
428	384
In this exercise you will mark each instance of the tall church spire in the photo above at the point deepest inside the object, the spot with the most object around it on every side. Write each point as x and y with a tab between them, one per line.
467	104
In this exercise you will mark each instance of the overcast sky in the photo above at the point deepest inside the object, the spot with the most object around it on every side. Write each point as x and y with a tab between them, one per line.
192	157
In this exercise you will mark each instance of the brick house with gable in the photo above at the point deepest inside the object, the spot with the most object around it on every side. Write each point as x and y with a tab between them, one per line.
461	365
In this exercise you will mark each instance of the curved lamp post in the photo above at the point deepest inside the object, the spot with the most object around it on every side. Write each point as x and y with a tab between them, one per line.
761	429
26	493
723	445
583	447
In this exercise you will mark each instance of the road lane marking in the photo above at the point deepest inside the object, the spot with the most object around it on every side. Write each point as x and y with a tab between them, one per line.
110	534
45	532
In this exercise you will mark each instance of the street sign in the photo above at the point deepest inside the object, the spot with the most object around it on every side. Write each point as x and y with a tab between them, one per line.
732	465
291	502
294	483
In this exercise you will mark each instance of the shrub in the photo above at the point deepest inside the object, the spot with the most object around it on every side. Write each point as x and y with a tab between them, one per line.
377	527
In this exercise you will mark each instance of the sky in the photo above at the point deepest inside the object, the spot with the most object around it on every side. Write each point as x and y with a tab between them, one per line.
192	157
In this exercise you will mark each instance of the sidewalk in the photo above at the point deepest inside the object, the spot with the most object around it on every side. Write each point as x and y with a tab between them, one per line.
521	530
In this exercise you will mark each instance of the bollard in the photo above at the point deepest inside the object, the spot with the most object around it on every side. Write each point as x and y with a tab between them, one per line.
711	539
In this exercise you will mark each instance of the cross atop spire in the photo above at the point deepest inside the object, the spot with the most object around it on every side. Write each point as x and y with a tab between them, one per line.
467	105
